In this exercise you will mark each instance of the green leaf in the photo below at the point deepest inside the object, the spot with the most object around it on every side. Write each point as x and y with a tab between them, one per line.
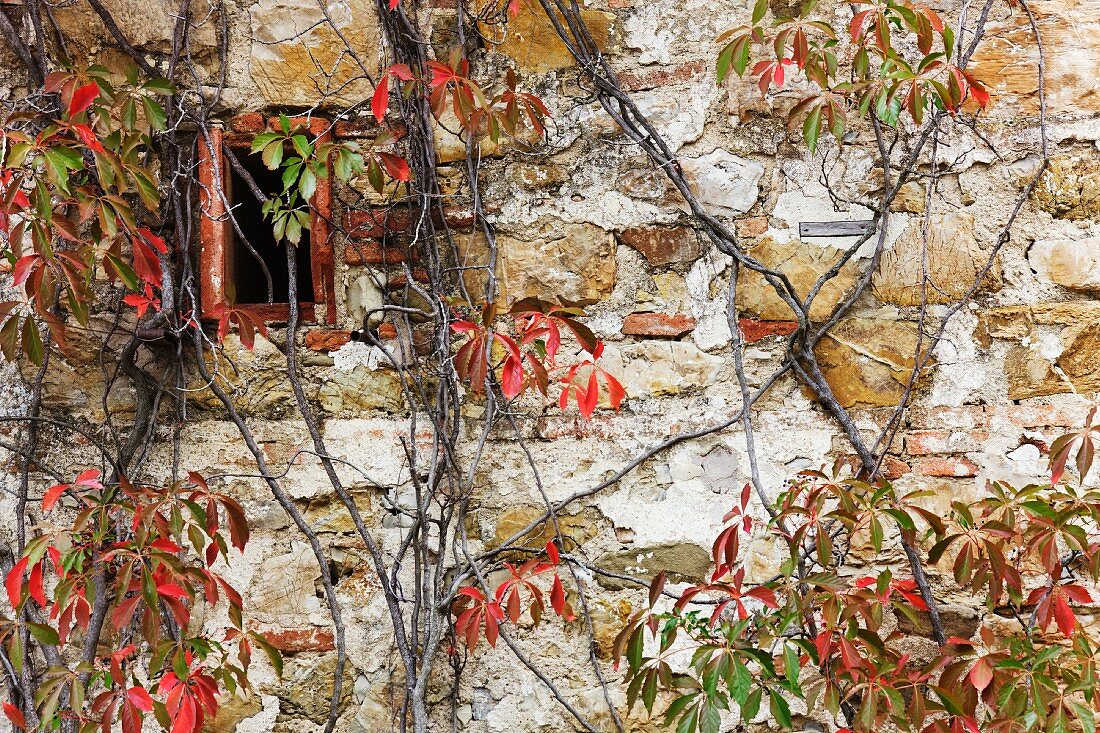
687	723
154	112
811	128
791	665
740	683
759	10
43	634
711	720
307	184
293	231
780	710
273	155
677	707
262	140
159	85
302	145
32	341
15	651
751	706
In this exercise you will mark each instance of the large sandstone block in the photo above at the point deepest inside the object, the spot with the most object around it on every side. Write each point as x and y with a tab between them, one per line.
1007	59
1070	187
1073	264
1057	347
299	60
868	361
951	262
532	41
653	368
803	264
147	26
724	181
557	262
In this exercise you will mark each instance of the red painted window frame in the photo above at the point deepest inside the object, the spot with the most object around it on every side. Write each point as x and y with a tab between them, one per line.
216	233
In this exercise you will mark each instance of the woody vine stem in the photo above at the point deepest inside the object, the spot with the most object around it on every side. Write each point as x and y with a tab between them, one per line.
432	580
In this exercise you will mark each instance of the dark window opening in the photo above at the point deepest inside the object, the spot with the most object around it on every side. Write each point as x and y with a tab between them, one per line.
247	276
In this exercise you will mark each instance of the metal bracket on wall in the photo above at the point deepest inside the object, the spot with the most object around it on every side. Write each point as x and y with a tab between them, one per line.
835	228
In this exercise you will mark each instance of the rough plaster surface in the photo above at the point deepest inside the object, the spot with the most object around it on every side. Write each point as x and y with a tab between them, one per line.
1014	368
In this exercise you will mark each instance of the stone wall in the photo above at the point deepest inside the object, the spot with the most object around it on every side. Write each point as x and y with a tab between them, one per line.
584	216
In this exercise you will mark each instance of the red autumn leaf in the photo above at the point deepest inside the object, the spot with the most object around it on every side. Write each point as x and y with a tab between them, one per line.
13	583
34	585
15	715
185	716
24	266
396	166
140	699
82	98
146	263
1063	614
552	552
156	242
89	478
380	100
981	674
511	378
171	590
89	138
50	498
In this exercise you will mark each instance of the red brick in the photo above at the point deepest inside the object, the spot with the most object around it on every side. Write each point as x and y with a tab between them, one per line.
250	122
950	466
660	325
1043	415
753	330
387	331
753	226
397	282
632	81
326	339
303	639
374	253
664	245
366	127
930	442
375	223
894	468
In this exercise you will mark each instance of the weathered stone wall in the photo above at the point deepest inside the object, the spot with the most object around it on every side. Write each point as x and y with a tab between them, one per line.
586	217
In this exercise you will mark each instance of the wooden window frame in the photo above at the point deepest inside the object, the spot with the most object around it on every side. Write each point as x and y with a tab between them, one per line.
217	235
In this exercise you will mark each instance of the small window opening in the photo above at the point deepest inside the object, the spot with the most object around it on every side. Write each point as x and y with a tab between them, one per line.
247	276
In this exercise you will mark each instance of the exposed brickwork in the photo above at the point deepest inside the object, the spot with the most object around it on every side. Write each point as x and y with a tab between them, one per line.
659	325
634	81
374	253
305	639
344	129
894	468
399	281
929	442
374	223
946	418
324	339
252	122
753	330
